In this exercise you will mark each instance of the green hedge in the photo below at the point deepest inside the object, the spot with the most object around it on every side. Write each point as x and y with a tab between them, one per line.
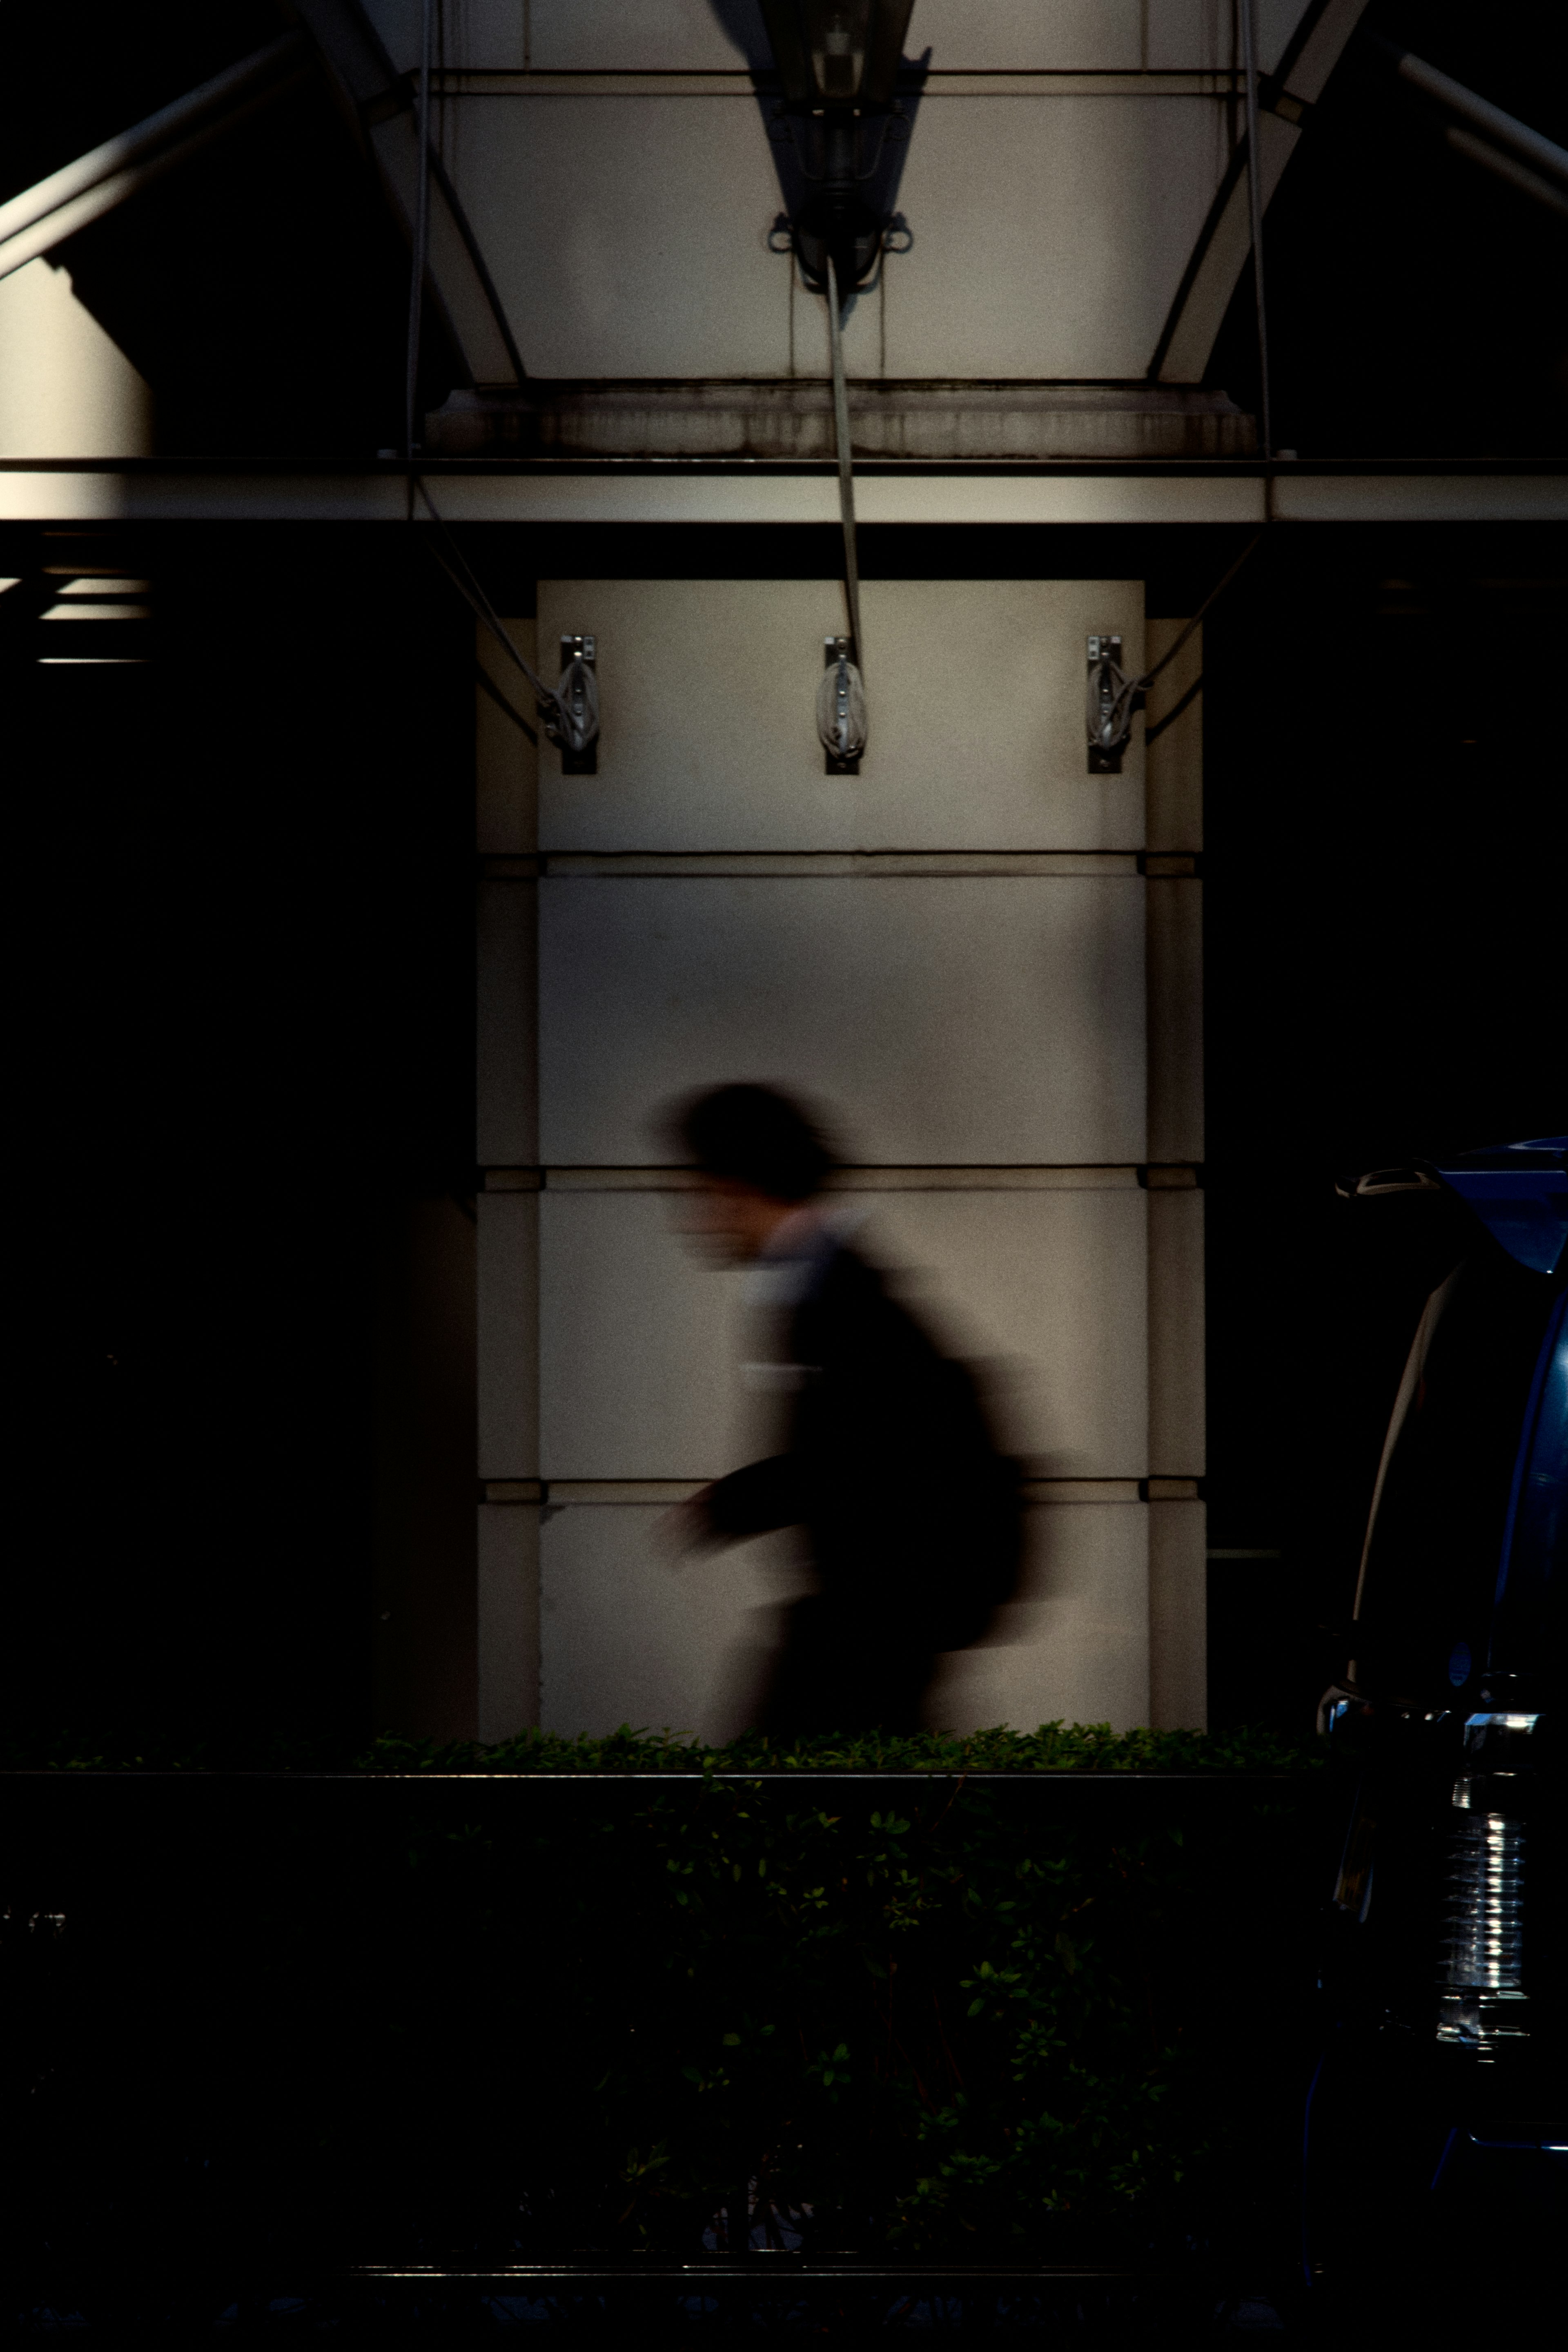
974	2017
948	2027
954	2025
1054	1747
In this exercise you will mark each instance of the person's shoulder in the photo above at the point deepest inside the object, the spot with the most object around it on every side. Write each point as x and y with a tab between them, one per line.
848	1280
853	1296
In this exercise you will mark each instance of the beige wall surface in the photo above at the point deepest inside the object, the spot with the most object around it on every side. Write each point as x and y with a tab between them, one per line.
645	1345
719	36
65	389
1051	232
708	694
1045	1295
713	35
1044	1292
949	1019
627	234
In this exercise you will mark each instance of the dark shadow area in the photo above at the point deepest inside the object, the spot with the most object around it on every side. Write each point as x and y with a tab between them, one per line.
1415	301
240	1094
260	289
1383	929
80	72
274	2028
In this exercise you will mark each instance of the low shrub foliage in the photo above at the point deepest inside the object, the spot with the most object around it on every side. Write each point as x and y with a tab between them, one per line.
1053	1747
963	2013
943	2024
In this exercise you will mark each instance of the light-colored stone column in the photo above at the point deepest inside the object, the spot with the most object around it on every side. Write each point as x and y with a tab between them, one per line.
1173	940
507	1150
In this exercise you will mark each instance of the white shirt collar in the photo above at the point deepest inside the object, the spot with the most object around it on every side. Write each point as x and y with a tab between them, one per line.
796	1253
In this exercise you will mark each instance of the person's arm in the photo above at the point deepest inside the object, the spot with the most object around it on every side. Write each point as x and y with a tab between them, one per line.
749	1502
753	1501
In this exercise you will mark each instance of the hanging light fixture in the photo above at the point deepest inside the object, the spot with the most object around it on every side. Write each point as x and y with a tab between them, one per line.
838	64
838	61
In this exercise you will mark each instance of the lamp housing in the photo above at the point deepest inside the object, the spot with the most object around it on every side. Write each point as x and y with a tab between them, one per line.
838	64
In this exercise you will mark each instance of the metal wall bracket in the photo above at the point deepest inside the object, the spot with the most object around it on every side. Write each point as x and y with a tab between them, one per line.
1104	677
585	761
834	651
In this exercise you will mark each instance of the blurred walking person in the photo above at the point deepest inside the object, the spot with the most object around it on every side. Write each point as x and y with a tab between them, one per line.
912	1512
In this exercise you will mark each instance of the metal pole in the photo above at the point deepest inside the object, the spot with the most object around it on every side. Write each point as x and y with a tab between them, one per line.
1492	159
42	218
131	147
1531	146
1255	211
846	468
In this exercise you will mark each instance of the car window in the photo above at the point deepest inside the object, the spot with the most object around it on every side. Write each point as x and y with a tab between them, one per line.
1441	1505
1531	1587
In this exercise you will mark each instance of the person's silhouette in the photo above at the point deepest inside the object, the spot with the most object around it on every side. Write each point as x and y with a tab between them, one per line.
912	1512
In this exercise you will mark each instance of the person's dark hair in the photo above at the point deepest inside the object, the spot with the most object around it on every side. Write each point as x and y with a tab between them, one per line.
754	1134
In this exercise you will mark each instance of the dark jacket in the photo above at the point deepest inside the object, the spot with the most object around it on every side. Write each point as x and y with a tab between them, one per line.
913	1514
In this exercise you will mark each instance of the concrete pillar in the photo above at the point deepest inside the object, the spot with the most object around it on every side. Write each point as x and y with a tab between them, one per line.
507	1149
949	953
1177	1516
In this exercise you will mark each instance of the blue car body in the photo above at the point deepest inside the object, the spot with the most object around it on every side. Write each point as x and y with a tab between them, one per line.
1443	2086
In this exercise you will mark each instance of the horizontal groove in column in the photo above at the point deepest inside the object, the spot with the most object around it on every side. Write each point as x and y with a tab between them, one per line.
554	1493
1121	1178
812	865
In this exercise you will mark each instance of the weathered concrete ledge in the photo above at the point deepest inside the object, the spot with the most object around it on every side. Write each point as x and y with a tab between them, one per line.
936	422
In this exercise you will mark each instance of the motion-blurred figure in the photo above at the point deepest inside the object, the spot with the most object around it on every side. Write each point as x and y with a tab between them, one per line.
912	1512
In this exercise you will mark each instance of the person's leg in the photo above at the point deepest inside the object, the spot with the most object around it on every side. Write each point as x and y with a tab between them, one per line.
892	1682
836	1673
801	1696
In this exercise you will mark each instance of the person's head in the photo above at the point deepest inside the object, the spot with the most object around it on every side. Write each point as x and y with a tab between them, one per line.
759	1157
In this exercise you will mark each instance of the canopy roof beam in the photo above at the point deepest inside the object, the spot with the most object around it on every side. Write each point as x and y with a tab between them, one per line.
55	208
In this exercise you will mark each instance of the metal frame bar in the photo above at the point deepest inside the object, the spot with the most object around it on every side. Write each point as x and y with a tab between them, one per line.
80	192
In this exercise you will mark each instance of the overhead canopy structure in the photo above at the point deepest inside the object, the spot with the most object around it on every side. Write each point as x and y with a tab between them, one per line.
599	188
